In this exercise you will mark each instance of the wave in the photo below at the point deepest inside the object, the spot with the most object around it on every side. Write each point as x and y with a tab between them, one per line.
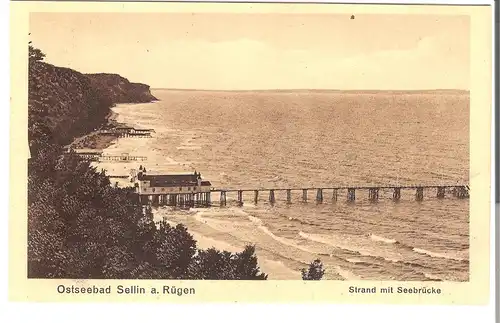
382	239
346	274
290	218
255	220
342	246
230	213
276	269
188	147
358	261
440	255
282	271
432	277
372	252
284	241
432	254
258	223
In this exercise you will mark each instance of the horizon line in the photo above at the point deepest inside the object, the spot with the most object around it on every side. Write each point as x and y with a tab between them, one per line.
310	90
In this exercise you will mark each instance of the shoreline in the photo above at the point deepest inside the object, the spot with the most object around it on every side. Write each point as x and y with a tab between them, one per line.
95	139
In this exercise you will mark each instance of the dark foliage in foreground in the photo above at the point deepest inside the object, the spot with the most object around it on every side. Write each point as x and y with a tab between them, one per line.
79	226
314	272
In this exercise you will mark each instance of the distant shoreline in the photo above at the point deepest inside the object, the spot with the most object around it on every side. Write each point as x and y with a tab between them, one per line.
435	91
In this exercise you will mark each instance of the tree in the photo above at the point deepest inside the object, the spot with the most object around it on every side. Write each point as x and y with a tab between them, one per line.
34	54
246	265
224	265
315	271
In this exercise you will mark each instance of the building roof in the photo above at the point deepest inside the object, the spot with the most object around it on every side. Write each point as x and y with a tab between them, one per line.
206	183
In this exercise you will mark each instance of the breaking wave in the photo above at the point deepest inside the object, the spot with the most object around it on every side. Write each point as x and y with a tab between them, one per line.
440	255
382	239
283	240
343	246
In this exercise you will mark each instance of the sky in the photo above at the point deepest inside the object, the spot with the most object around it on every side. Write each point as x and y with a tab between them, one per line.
231	51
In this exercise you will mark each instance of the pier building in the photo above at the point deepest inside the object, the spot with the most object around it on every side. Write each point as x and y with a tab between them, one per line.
173	189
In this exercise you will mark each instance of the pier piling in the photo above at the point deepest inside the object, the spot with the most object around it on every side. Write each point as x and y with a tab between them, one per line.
419	194
396	195
373	194
334	194
223	198
289	196
461	192
272	199
319	195
255	196
240	198
351	194
440	192
208	199
304	195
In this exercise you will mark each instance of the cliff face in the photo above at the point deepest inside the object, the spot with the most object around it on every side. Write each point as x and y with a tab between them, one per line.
121	90
64	103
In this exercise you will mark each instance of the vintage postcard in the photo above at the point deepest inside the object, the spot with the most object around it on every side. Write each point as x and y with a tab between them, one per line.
215	152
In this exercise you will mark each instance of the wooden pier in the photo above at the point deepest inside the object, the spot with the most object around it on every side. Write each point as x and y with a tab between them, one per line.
373	194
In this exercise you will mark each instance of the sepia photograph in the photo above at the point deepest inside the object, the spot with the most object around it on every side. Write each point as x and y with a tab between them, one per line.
243	144
160	150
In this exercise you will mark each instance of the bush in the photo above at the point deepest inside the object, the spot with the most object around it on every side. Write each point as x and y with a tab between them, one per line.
315	271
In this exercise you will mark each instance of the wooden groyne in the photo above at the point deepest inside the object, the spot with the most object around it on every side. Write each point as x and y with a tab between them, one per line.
128	132
99	157
321	194
122	158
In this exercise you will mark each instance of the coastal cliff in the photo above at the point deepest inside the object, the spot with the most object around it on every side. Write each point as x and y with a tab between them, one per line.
70	103
120	89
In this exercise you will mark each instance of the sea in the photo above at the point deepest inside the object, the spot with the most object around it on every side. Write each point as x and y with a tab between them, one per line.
295	139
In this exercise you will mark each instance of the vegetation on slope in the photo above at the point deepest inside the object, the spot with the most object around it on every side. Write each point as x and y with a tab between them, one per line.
120	90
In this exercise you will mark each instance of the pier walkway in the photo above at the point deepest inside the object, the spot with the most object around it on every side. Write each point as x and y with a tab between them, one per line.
321	194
